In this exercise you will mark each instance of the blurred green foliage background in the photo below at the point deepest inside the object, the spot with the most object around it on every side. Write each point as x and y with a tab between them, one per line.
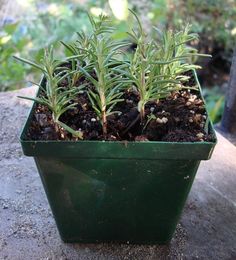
38	24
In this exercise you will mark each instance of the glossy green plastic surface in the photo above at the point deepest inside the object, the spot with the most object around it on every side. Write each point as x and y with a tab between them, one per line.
116	191
135	201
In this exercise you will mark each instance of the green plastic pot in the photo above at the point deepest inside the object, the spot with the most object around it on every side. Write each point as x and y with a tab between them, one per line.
116	191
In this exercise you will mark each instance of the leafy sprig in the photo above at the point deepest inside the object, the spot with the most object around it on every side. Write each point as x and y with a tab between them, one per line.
56	98
109	75
143	70
174	58
80	54
158	69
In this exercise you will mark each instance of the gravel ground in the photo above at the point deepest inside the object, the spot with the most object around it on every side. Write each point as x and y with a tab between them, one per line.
207	229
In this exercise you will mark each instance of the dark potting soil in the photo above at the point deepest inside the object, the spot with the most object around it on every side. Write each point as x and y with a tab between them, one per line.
178	118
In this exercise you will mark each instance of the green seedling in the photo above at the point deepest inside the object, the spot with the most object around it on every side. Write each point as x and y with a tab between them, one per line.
56	98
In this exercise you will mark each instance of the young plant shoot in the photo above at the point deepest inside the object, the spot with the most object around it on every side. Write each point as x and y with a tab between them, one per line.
80	54
108	82
157	69
56	98
173	57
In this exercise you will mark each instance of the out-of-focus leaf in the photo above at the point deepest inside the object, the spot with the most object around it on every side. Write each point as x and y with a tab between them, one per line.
214	112
10	28
121	29
214	102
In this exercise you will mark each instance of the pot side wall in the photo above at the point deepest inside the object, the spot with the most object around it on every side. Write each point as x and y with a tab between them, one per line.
119	200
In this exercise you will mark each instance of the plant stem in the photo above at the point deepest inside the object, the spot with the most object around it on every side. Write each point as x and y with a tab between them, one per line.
143	90
55	121
103	106
101	79
142	113
56	126
104	123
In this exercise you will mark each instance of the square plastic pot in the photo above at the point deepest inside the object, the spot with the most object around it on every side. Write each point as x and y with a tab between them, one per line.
116	191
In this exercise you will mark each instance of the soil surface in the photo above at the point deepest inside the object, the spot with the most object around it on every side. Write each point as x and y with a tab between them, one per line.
179	117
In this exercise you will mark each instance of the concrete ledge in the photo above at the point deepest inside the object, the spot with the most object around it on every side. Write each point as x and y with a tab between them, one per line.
27	231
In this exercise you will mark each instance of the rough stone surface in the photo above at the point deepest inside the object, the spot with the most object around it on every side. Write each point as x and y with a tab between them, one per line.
207	229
